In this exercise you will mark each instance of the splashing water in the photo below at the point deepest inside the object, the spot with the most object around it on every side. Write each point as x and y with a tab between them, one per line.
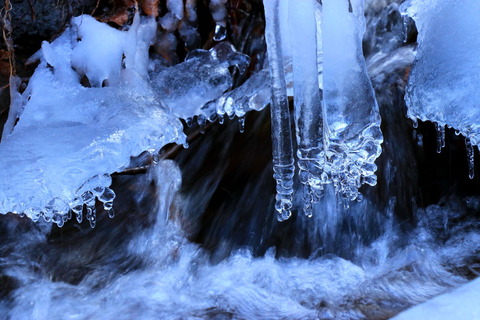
166	276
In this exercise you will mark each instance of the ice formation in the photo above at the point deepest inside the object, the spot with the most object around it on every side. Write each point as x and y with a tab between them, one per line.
219	14
338	134
352	120
92	104
100	102
71	137
188	87
283	163
308	101
443	83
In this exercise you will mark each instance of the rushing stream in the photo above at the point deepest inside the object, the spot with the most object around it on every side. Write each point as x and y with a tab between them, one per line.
192	232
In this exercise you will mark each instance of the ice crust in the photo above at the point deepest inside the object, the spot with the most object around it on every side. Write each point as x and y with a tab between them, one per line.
443	83
70	137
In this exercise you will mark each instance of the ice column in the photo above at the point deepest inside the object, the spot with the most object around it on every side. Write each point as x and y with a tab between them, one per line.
283	165
308	104
352	124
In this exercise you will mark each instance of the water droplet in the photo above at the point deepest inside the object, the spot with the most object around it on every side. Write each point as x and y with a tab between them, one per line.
405	27
108	205
46	217
79	216
220	33
201	120
213	117
111	213
60	223
92	216
88	198
241	124
107	196
97	191
415	123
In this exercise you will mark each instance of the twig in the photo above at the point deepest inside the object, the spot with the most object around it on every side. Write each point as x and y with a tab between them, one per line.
7	36
32	10
96	7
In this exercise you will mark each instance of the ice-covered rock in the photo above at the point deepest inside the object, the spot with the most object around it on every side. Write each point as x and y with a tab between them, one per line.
71	137
460	304
443	83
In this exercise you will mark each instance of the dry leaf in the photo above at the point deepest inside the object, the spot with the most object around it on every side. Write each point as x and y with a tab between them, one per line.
149	7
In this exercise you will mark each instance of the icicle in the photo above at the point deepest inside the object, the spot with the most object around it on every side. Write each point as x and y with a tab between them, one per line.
220	33
470	158
79	216
241	124
219	14
308	105
351	116
415	123
188	26
92	216
283	165
202	121
440	136
405	18
212	117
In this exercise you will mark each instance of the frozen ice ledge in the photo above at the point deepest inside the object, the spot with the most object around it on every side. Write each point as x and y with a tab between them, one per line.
63	138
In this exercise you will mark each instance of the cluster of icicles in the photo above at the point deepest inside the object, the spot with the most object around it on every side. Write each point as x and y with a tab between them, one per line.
337	126
336	115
